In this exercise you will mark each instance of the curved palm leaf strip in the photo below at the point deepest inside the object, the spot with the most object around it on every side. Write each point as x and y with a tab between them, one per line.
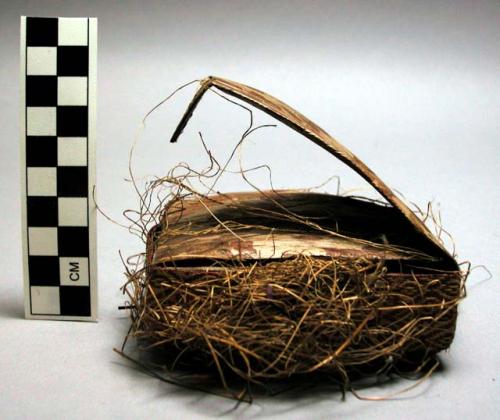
298	122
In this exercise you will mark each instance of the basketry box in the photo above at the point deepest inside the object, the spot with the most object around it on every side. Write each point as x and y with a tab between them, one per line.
269	284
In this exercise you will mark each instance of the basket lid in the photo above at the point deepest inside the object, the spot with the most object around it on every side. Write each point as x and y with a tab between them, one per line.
249	226
298	122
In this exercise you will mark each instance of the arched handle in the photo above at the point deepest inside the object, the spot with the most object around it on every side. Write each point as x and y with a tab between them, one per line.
290	117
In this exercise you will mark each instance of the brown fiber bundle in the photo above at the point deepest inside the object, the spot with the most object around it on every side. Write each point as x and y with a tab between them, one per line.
269	285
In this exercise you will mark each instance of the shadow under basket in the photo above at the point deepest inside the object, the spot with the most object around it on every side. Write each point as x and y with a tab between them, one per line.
267	285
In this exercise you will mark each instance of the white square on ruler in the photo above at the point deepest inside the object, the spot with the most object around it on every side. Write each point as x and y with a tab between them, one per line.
72	31
41	121
72	151
45	300
42	241
41	61
72	91
72	211
42	181
74	271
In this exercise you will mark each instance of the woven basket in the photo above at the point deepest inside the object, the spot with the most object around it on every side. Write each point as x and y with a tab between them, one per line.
400	300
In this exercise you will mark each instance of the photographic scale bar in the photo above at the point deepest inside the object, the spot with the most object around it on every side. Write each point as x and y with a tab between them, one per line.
58	115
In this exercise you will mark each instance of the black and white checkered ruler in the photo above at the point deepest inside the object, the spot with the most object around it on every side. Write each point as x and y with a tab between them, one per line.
58	112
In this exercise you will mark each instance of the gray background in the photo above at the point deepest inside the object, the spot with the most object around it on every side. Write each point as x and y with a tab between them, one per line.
412	87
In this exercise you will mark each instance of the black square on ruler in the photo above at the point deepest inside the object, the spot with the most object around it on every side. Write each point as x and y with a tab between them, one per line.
75	300
72	121
44	271
72	181
42	211
41	32
41	151
41	90
73	241
73	61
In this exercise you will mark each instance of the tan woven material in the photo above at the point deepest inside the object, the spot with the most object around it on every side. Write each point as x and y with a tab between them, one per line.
270	284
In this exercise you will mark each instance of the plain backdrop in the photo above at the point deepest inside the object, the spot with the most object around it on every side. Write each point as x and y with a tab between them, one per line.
412	87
